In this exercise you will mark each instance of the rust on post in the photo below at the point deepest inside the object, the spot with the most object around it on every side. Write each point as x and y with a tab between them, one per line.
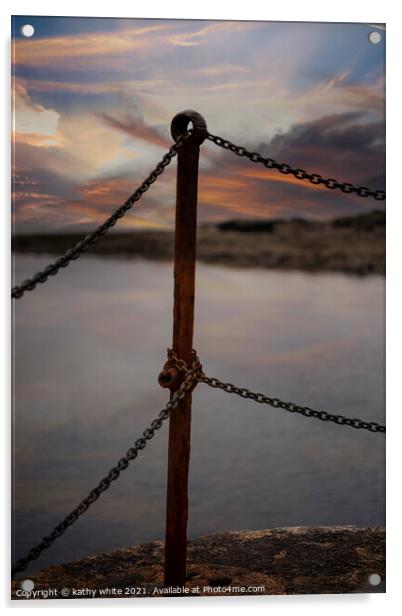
183	318
167	377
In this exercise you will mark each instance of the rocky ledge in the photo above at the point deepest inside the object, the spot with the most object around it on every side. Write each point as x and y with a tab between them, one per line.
278	561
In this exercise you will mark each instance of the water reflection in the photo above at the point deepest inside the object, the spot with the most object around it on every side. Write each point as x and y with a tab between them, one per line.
88	348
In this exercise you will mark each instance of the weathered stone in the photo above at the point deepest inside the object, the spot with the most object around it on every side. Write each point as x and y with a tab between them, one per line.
296	560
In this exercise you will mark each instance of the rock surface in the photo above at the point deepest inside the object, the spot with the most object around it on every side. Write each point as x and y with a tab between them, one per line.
296	560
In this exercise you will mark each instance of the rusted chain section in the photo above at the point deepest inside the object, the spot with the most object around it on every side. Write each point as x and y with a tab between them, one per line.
299	174
180	366
341	420
190	380
88	240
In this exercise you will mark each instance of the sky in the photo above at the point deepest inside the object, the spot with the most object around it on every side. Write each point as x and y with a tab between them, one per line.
93	100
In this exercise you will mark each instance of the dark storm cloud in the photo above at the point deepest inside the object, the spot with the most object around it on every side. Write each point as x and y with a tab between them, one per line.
340	130
340	146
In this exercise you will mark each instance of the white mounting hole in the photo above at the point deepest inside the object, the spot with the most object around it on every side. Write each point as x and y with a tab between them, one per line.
374	38
27	30
27	585
374	579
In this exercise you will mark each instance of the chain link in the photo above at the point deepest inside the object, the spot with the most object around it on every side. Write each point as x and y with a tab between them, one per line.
243	392
88	240
300	174
191	377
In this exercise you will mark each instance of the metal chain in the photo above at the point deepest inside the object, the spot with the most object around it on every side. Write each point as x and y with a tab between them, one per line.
88	240
191	377
299	174
243	392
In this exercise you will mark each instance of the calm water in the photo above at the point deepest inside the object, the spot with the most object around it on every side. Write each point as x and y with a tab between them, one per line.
88	348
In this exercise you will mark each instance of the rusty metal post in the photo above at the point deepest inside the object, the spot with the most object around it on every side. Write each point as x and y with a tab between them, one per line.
183	318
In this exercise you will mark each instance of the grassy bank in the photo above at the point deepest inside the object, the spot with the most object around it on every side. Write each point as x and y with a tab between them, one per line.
354	244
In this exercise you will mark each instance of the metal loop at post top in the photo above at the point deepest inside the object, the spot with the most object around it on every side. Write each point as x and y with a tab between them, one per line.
180	122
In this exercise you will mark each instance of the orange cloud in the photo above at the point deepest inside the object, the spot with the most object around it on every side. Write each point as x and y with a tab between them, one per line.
100	197
110	191
233	194
37	140
221	70
273	175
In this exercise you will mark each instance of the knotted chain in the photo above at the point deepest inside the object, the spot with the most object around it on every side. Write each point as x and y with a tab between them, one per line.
192	375
243	392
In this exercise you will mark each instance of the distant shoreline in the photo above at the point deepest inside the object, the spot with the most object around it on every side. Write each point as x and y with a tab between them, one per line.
354	244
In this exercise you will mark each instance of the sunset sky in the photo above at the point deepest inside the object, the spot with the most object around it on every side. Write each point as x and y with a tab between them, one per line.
94	98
